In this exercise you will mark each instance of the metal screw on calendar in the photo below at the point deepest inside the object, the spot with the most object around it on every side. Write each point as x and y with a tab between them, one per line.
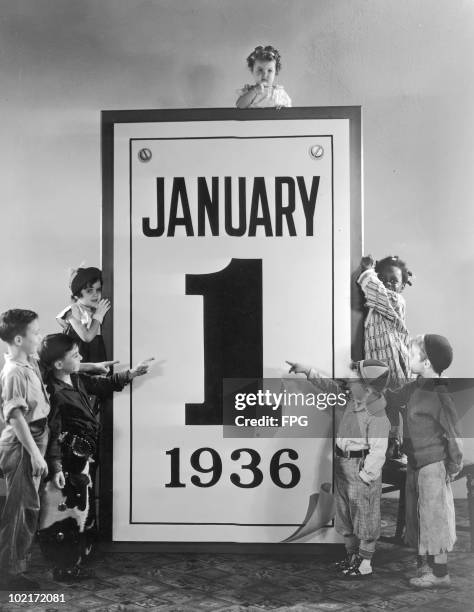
144	155
316	151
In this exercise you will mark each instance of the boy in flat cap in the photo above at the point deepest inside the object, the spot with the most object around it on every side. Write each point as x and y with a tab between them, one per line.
434	450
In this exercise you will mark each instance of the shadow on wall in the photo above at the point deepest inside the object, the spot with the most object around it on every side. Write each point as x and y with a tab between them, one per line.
201	81
358	312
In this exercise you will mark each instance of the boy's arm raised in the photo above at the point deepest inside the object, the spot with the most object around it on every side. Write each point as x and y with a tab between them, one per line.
327	385
104	387
97	368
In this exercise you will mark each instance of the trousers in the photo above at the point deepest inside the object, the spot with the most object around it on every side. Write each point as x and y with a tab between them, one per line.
19	518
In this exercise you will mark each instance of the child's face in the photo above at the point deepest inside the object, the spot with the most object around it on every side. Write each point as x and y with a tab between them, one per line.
392	278
71	360
358	389
90	296
417	364
31	341
264	72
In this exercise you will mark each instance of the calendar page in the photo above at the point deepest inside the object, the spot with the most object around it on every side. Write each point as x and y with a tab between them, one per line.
231	254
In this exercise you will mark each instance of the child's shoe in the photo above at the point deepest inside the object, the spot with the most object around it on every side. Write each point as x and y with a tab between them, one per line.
345	564
360	568
430	581
423	569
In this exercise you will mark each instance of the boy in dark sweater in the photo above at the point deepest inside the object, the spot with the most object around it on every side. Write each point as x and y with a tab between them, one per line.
434	450
67	514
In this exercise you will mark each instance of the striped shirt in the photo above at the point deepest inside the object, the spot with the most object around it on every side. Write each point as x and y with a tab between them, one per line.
386	337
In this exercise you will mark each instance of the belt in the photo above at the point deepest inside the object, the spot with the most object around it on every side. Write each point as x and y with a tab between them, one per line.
78	445
351	454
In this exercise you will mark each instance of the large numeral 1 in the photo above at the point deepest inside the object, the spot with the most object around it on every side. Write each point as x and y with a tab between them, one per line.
233	332
175	481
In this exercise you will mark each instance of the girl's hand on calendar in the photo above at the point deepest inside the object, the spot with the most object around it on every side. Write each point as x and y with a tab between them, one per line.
367	262
102	309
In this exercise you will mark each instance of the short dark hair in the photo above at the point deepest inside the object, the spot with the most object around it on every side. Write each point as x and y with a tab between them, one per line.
54	347
265	54
84	278
394	260
14	323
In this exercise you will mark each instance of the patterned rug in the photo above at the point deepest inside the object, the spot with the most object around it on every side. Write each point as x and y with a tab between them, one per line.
253	583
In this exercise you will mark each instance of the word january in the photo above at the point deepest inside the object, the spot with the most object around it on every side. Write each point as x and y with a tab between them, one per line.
214	201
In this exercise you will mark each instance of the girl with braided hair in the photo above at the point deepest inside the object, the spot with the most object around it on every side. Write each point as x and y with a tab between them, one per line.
264	63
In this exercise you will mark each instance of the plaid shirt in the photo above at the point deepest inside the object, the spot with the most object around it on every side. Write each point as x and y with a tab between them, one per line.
386	337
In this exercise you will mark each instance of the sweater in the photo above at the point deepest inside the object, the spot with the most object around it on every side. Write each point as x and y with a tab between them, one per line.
430	423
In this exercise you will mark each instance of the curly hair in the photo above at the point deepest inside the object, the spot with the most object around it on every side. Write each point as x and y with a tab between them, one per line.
265	54
394	260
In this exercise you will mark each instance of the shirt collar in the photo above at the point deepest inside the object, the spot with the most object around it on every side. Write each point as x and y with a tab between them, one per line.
359	406
57	382
30	363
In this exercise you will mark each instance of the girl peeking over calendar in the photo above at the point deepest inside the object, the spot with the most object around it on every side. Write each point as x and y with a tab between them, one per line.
264	63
